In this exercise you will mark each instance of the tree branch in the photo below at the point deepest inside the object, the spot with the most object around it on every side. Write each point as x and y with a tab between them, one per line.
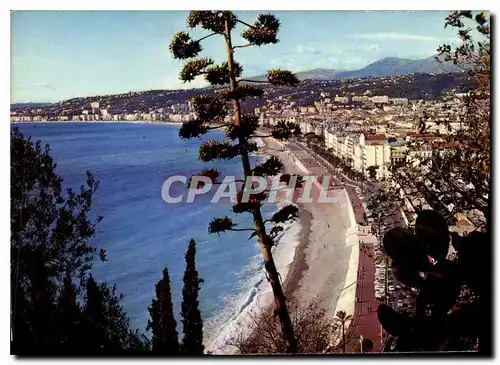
241	229
248	25
205	37
220	126
254	81
243	46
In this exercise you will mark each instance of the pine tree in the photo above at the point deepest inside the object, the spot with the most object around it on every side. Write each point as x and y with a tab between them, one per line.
211	111
165	338
192	343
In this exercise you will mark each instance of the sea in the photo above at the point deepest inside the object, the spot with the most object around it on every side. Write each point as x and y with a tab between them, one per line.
142	233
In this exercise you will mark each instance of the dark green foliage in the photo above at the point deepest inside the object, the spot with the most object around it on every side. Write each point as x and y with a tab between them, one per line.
219	225
165	339
264	30
285	214
433	231
42	217
286	178
194	68
69	318
50	259
250	147
208	108
192	129
243	91
211	20
282	78
106	326
449	300
212	150
248	203
219	74
271	167
249	124
192	342
182	46
285	130
247	207
212	174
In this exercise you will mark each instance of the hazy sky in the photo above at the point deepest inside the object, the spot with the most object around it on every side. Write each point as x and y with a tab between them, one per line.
60	55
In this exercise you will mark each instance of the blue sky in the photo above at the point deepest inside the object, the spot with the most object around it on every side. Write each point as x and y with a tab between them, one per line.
56	55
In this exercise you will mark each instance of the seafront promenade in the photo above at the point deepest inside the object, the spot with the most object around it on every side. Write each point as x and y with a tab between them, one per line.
365	322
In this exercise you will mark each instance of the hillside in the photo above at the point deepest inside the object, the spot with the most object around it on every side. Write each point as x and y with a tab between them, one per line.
399	66
390	66
28	105
314	74
414	86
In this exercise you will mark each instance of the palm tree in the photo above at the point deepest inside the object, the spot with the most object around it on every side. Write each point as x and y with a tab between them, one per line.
343	318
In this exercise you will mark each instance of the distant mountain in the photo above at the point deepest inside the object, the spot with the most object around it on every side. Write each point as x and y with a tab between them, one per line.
316	74
131	101
392	66
28	105
319	74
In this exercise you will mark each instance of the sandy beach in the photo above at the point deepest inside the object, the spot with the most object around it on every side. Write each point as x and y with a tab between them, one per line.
326	259
324	265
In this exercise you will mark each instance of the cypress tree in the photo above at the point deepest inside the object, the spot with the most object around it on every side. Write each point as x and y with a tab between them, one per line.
192	343
69	315
165	338
94	331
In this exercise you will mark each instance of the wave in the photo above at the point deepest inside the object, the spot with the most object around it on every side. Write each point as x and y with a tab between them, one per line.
255	293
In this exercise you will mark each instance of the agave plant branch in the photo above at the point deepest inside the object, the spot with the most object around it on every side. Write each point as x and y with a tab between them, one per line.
240	130
243	46
264	239
219	126
258	136
244	23
207	36
242	229
254	81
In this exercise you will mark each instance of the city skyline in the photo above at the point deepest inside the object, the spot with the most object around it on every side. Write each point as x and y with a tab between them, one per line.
109	52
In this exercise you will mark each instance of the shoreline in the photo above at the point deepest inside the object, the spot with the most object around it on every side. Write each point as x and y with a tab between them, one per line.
299	264
326	259
100	122
322	262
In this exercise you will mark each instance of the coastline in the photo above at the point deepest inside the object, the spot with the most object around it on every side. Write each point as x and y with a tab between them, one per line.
315	261
100	122
325	264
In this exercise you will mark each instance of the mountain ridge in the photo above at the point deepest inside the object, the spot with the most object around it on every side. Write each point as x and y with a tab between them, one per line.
388	66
